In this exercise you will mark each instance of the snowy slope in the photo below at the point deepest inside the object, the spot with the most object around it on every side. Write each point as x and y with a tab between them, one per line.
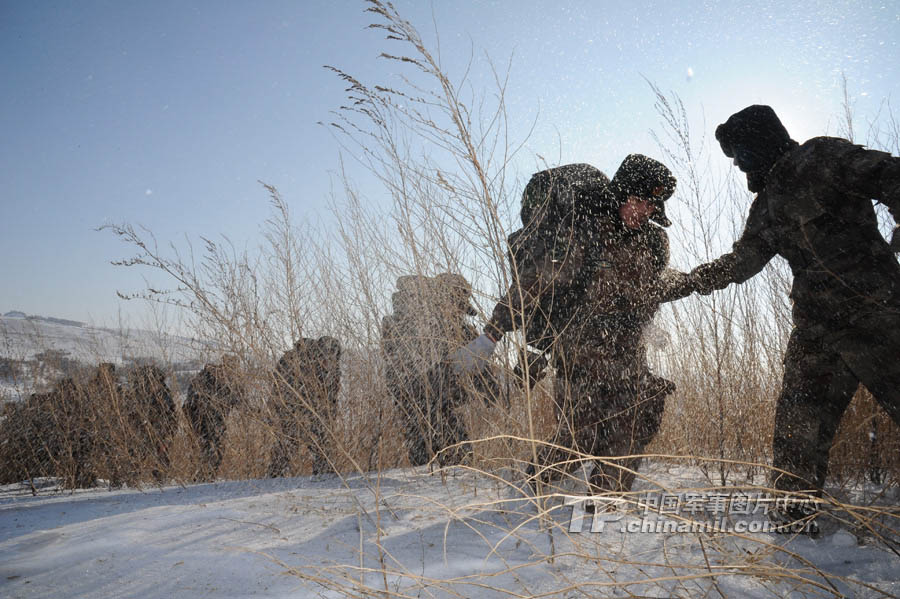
467	536
22	338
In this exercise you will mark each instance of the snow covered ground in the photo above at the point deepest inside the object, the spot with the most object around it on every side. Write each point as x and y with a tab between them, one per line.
411	533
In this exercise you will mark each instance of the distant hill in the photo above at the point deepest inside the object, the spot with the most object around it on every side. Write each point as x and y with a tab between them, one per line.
22	337
62	321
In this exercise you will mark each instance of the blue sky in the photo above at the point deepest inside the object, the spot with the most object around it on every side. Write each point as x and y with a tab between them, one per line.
165	114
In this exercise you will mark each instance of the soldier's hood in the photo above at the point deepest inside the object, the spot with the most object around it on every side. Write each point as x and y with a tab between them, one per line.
755	138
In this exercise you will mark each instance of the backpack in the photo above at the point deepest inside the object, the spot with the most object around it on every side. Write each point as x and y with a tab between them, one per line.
559	205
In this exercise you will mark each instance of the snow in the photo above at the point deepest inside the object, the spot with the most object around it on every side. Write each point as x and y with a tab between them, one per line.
452	534
25	337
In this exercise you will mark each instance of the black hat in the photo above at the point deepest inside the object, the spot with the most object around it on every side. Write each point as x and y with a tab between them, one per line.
648	179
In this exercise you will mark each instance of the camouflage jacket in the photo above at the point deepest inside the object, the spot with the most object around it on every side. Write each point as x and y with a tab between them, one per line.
595	298
312	370
816	212
214	388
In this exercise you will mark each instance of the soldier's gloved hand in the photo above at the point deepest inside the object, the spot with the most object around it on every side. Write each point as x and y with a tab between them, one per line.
895	240
702	279
474	356
674	285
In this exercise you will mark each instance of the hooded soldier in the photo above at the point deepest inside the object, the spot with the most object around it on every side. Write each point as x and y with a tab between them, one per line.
307	383
814	208
429	322
591	280
211	395
153	414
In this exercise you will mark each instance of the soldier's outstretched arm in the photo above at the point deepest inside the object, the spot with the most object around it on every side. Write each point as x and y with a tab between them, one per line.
748	255
876	174
523	291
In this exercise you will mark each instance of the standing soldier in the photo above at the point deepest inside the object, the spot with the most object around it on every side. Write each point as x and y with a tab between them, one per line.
108	412
588	270
307	384
814	208
153	418
211	396
429	322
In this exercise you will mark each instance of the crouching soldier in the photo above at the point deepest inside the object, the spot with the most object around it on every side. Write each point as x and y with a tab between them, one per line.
211	396
307	381
589	275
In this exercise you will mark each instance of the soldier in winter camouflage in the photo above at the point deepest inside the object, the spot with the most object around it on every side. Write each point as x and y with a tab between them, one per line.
153	417
307	384
211	396
428	323
50	434
108	412
814	208
589	275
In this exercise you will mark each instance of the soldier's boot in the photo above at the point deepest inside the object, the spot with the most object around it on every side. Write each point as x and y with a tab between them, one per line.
795	519
548	474
321	465
278	461
318	450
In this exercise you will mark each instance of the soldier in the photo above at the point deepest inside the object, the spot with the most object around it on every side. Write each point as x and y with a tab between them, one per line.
588	278
427	325
152	417
71	444
211	396
814	208
307	384
28	439
108	413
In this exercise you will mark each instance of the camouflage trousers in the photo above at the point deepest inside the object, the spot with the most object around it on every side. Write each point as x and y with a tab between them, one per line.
822	371
294	424
207	420
431	425
608	413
